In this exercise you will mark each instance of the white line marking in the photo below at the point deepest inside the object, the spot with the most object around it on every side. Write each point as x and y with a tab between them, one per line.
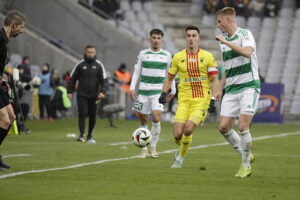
132	157
125	143
119	143
16	155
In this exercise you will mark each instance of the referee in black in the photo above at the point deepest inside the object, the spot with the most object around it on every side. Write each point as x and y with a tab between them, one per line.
14	25
91	77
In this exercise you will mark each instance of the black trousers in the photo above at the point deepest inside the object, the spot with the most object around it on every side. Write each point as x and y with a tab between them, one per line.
44	101
87	107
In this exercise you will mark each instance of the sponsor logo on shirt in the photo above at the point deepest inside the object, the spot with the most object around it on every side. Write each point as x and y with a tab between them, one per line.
84	67
197	79
192	60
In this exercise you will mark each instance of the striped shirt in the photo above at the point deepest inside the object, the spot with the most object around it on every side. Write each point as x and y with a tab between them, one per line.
150	69
194	71
241	72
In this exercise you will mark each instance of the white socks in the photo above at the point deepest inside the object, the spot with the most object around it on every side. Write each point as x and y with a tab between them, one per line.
234	139
155	131
246	143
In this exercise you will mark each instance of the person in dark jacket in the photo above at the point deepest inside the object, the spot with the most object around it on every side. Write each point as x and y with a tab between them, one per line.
14	25
91	76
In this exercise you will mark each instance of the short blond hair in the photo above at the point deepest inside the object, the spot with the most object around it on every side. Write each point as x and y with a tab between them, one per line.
230	11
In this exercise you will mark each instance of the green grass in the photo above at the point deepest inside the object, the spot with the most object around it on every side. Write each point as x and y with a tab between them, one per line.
276	172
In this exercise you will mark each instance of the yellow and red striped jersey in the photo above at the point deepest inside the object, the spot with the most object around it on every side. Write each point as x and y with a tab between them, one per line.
194	71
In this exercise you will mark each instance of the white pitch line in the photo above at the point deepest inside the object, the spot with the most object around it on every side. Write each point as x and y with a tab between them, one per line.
16	155
132	157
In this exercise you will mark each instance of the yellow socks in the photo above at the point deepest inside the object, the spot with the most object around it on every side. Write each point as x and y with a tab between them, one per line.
185	144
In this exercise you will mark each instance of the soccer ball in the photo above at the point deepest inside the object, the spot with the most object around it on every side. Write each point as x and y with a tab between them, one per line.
141	137
36	81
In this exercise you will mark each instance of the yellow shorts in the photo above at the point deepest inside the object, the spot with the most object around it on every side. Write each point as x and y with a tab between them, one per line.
196	111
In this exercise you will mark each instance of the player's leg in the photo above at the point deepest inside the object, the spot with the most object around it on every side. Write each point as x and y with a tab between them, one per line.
155	132
82	105
5	123
157	109
142	107
92	108
144	118
249	100
230	109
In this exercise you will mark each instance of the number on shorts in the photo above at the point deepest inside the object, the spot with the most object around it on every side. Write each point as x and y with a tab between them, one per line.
138	105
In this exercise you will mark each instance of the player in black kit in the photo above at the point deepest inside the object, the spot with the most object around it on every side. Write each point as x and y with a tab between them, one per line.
14	25
91	76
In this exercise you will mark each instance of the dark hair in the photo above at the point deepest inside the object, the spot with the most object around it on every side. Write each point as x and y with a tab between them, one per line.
14	16
192	28
89	46
25	58
157	32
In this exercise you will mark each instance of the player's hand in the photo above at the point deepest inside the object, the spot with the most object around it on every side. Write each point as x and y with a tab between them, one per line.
70	96
220	38
163	98
101	95
169	97
212	106
132	95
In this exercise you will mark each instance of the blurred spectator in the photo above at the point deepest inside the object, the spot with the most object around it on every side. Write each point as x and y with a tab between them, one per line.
256	8
45	92
210	6
241	7
24	70
108	6
223	3
123	77
66	78
297	2
55	80
271	8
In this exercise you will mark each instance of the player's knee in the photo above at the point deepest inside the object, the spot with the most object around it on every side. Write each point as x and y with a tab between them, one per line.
223	129
188	131
5	123
156	119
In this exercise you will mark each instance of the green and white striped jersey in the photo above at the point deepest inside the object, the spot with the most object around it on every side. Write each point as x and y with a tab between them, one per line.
241	72
150	69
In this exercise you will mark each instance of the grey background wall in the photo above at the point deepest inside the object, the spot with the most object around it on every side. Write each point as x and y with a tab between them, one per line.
76	27
40	51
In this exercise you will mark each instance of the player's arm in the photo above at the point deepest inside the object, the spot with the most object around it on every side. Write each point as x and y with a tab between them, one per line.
215	87
167	84
135	78
245	51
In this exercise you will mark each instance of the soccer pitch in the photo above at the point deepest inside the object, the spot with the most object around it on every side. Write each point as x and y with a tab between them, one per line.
46	164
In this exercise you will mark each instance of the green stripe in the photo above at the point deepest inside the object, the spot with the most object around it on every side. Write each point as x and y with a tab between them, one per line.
154	65
151	79
239	87
227	55
160	53
149	92
243	69
234	38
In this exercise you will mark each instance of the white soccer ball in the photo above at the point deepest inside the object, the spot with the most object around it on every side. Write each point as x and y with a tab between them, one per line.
141	137
36	81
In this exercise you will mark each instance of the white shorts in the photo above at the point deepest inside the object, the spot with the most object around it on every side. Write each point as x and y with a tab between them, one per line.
145	104
244	102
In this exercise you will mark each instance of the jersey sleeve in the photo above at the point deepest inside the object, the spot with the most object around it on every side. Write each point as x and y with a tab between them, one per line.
212	66
248	40
136	72
174	66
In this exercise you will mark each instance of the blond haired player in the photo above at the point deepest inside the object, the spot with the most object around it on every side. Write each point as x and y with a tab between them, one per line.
196	69
241	85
